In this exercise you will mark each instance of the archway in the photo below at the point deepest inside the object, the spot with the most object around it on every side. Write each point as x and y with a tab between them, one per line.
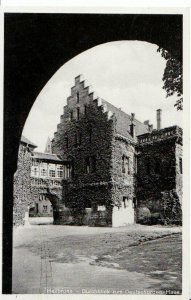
34	62
45	209
41	212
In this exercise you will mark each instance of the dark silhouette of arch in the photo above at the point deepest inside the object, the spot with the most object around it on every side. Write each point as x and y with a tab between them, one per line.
53	198
36	46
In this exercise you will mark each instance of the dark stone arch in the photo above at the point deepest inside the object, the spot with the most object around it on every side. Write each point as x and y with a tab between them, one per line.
55	201
36	46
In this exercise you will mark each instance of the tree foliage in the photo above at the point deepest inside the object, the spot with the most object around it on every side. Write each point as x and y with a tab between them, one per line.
172	77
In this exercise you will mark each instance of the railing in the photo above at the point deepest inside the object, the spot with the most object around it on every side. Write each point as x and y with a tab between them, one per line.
156	135
42	182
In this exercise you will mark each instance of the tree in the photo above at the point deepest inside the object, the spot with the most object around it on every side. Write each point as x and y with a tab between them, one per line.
172	77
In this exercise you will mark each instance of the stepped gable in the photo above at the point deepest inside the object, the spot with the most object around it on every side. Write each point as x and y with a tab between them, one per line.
124	121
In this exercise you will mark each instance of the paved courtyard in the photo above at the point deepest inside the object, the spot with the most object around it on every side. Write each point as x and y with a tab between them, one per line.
71	259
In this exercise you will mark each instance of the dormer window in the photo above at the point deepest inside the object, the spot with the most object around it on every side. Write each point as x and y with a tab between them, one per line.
78	97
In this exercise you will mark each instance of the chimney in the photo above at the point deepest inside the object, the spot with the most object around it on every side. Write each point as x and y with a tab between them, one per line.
132	117
132	126
159	118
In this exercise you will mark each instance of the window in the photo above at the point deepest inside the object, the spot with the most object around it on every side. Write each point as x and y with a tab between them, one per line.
60	171
136	163
35	171
85	110
43	172
125	165
180	165
88	203
71	115
34	163
45	208
66	142
78	97
91	165
68	174
125	202
87	165
52	173
78	113
94	163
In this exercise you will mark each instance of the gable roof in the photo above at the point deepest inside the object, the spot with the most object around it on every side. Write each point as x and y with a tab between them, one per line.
46	156
27	141
124	120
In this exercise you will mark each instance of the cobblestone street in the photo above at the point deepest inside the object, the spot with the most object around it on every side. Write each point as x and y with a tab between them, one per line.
66	259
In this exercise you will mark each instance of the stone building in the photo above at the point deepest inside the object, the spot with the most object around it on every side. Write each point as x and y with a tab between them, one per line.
37	183
120	167
115	169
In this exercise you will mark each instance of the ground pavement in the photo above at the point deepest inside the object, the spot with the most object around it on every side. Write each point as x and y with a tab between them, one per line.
69	259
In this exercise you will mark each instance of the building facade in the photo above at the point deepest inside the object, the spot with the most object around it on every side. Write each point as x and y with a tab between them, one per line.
37	183
114	170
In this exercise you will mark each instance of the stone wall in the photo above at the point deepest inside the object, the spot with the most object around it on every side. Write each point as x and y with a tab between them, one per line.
179	170
22	192
26	194
83	141
156	177
123	183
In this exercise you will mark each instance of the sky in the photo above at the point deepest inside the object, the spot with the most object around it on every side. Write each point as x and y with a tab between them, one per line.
128	74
